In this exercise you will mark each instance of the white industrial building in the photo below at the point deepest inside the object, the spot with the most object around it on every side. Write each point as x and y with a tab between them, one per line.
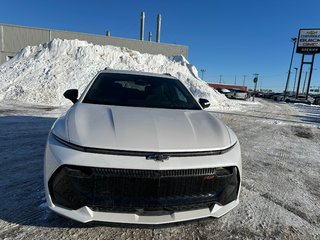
13	38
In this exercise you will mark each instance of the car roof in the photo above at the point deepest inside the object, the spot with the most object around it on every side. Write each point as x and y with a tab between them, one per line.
164	75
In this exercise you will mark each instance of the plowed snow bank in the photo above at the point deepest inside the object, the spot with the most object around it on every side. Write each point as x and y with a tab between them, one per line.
41	74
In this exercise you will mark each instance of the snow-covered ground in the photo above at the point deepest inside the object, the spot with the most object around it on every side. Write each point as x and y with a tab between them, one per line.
41	74
280	187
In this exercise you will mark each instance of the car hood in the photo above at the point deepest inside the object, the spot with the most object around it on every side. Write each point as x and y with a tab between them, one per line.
144	129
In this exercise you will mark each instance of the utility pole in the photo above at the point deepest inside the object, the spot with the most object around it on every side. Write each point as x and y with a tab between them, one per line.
244	79
220	81
235	80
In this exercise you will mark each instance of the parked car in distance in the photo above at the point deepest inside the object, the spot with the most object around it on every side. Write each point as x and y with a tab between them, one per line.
259	94
300	99
268	95
316	100
139	148
223	91
278	97
237	94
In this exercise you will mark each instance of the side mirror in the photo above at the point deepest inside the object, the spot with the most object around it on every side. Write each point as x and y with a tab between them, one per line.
71	94
204	103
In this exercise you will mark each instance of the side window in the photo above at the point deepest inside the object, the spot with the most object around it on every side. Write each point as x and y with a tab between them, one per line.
180	95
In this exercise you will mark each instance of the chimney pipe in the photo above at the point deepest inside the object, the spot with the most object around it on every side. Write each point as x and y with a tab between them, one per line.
158	28
150	36
142	26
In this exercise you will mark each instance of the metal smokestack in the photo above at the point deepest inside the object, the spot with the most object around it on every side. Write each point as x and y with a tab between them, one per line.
158	28
142	26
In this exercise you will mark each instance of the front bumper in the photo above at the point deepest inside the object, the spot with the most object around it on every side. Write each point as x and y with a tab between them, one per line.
84	187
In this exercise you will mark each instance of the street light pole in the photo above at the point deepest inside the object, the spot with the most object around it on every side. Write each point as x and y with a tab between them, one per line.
294	40
295	78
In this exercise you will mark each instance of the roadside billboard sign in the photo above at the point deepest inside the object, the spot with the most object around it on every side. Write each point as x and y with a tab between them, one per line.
309	41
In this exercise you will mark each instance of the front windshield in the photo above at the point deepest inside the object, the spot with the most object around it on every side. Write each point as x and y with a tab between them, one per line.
140	91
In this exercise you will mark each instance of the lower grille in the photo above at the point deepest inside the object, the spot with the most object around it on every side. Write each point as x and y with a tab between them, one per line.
153	191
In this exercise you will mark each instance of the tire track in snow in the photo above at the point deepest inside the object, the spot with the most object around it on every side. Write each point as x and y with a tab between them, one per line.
279	157
22	218
288	207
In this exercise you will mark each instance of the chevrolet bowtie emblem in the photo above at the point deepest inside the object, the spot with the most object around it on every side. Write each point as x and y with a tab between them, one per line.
311	32
157	157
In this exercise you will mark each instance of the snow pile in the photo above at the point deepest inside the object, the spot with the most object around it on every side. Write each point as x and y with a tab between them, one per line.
41	74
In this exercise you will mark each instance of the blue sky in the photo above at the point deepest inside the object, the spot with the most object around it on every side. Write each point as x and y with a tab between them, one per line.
227	37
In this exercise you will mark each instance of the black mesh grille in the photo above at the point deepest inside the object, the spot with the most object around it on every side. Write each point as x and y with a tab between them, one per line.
152	173
130	190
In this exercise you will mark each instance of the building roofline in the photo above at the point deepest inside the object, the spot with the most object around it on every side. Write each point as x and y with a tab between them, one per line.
92	34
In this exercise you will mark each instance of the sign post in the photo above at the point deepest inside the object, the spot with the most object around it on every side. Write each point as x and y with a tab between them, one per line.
255	80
